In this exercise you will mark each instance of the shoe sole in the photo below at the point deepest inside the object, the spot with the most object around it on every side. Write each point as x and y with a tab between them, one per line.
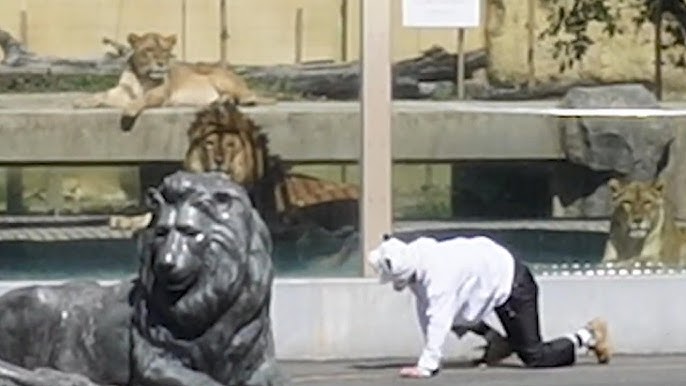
602	348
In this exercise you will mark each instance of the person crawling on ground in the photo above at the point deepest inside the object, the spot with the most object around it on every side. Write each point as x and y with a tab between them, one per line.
457	282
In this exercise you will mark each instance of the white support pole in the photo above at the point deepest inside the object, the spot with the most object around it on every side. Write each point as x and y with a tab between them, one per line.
376	203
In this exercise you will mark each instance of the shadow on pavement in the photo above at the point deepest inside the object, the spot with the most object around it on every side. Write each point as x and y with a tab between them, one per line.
397	364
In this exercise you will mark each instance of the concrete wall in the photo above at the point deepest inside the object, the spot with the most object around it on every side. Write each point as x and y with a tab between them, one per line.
357	318
328	319
74	28
42	129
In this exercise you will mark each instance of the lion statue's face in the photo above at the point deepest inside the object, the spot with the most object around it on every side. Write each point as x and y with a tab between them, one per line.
222	139
202	298
638	205
204	245
152	55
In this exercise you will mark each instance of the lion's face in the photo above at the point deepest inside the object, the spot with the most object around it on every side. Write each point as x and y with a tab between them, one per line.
204	285
181	238
224	140
200	246
227	152
152	54
638	205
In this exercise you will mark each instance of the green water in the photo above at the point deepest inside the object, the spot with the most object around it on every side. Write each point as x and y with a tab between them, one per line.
315	257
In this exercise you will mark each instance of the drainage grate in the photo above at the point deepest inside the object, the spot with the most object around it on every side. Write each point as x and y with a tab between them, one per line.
62	233
58	228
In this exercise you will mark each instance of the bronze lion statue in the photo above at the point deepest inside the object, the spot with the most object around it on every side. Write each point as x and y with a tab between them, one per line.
196	314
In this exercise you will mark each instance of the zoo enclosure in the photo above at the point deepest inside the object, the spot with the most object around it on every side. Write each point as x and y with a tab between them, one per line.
462	132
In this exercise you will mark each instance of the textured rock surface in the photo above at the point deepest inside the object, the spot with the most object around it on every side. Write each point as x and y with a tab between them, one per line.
599	148
623	58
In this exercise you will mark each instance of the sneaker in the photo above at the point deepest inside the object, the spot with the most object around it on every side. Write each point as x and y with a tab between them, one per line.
601	341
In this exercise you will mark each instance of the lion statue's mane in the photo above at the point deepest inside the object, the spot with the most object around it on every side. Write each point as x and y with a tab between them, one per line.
224	314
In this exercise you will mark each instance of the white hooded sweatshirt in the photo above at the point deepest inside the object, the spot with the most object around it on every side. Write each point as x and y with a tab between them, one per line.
457	282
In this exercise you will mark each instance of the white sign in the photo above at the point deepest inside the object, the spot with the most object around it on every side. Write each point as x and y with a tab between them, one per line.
441	13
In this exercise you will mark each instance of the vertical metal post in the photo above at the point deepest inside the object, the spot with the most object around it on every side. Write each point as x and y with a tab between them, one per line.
184	28
24	23
376	203
531	42
15	190
299	35
459	82
224	32
658	50
344	30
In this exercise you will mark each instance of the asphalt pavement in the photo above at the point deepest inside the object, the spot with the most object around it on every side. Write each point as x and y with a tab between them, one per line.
623	370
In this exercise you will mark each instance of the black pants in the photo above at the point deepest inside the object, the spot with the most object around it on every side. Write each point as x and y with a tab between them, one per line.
519	316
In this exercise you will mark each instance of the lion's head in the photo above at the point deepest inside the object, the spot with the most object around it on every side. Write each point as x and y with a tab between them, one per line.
152	55
204	289
221	138
206	251
638	206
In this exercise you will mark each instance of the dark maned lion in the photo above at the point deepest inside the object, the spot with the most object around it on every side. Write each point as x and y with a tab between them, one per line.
222	138
198	313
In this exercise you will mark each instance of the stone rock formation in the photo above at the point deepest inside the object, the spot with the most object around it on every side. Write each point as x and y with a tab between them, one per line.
598	148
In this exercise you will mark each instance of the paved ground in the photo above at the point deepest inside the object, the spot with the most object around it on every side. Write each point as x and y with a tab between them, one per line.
633	371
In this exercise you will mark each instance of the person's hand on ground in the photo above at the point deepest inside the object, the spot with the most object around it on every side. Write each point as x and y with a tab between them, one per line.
416	372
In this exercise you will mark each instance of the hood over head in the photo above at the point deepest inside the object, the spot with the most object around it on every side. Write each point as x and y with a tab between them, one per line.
394	261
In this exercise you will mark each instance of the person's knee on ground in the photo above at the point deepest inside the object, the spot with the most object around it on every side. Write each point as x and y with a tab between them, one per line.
496	347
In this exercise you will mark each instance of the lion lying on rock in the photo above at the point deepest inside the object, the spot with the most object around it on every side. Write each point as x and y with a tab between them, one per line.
197	314
153	79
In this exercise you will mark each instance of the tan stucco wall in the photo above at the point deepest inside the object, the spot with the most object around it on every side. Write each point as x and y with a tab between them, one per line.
626	57
261	31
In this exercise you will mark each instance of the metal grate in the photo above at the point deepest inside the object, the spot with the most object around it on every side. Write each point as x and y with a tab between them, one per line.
58	228
62	233
90	227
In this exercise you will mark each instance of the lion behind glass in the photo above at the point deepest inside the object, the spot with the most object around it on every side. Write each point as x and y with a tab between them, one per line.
197	314
642	225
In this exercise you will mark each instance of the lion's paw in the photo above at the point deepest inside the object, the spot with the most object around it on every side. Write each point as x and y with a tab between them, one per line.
129	223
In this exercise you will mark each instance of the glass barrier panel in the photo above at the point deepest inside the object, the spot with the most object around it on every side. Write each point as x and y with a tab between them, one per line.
530	127
78	189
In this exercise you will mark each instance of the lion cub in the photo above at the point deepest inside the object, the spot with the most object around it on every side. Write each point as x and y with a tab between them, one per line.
153	79
642	226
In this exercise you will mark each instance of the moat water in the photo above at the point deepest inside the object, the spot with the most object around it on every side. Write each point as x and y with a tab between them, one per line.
312	256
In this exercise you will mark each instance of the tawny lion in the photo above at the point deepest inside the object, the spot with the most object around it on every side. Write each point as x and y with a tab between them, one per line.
153	79
642	226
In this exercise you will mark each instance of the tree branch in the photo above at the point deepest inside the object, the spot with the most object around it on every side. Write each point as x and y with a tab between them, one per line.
677	9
